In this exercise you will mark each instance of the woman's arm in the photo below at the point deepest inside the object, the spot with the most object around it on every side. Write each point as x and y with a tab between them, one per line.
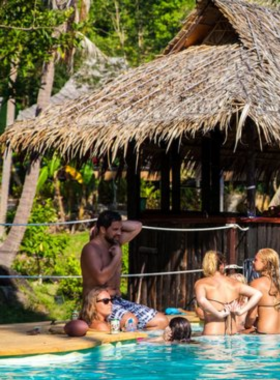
206	305
253	313
254	295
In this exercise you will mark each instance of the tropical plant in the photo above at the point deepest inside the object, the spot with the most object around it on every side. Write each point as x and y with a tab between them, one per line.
40	247
49	174
149	192
137	30
36	35
79	185
69	287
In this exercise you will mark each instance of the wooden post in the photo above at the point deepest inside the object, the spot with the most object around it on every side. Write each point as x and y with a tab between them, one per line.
176	178
205	174
251	167
215	171
231	245
133	184
165	182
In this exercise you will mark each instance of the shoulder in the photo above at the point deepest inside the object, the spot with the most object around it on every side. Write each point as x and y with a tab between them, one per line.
100	326
201	283
91	248
260	283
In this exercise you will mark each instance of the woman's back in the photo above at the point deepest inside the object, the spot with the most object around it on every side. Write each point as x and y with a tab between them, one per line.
221	292
218	296
221	289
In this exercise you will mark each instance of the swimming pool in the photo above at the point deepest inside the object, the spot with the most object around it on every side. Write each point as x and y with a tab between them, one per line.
237	357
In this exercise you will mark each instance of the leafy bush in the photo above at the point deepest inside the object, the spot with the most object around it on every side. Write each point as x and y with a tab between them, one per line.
40	248
125	268
71	288
149	191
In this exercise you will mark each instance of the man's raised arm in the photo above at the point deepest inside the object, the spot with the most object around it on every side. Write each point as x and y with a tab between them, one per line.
130	229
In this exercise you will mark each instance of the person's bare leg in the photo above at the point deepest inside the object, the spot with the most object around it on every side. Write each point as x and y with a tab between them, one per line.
159	322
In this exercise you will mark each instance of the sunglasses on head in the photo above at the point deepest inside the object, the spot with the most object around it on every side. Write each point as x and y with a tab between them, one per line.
105	300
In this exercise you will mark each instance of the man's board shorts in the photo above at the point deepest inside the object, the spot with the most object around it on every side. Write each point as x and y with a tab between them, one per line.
143	313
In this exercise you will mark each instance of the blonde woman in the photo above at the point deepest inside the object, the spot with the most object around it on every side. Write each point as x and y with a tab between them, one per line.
266	314
96	309
218	296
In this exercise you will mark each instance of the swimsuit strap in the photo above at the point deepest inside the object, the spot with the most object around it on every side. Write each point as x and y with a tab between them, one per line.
229	318
274	306
223	303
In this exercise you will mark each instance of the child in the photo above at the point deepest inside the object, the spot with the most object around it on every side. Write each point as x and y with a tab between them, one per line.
178	331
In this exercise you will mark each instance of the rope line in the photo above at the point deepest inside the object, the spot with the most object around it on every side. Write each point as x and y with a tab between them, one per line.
231	266
123	275
227	226
48	224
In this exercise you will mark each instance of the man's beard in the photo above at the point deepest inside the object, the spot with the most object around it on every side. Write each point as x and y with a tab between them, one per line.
111	241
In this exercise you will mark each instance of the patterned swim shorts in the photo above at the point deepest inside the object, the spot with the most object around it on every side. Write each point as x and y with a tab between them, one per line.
122	306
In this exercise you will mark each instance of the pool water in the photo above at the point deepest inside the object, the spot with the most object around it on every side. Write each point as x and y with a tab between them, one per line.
237	357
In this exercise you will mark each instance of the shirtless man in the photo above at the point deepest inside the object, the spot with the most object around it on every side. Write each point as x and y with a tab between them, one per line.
266	314
101	263
218	296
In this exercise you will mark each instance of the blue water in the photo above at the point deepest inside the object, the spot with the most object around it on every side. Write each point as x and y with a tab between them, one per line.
237	357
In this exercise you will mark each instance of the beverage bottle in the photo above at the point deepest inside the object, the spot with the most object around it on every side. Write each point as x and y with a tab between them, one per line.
75	315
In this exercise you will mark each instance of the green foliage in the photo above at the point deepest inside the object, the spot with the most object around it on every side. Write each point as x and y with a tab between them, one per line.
70	288
40	248
76	243
46	294
29	34
190	199
125	269
147	188
138	30
48	170
149	191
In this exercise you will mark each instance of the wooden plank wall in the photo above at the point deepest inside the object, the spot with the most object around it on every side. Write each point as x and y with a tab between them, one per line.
165	251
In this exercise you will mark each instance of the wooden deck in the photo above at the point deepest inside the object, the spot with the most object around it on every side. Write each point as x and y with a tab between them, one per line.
15	339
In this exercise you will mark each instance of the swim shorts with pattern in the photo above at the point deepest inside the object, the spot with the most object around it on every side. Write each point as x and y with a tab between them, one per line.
142	312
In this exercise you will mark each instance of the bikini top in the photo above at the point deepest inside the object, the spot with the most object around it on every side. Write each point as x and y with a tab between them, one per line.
228	319
223	303
275	306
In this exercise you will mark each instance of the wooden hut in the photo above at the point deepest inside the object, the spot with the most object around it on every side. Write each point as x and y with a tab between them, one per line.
212	99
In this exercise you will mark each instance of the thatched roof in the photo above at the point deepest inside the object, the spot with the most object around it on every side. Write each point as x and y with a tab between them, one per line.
222	69
99	68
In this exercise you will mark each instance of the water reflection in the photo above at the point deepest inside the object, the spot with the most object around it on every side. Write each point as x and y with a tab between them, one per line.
240	357
237	357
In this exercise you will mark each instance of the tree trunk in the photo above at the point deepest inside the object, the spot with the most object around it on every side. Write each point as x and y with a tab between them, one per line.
11	245
7	160
59	199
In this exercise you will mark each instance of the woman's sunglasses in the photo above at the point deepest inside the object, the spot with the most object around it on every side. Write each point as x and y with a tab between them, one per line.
105	300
